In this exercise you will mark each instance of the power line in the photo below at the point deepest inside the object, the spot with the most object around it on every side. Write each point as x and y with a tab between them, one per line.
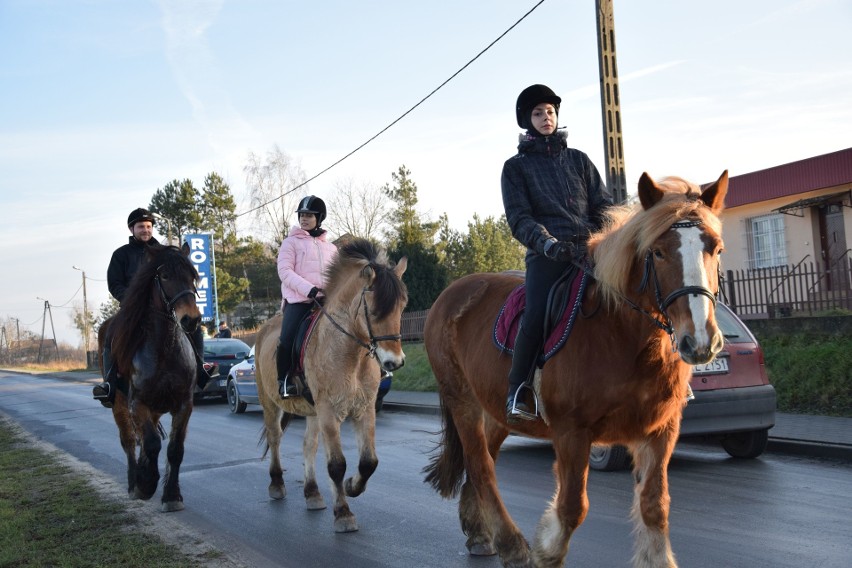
403	115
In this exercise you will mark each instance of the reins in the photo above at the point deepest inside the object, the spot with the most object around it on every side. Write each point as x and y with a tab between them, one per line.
372	346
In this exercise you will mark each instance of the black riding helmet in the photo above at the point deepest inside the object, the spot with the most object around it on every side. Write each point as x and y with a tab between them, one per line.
529	98
313	204
138	215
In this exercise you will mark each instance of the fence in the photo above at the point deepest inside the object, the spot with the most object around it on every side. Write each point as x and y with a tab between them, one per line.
413	324
784	291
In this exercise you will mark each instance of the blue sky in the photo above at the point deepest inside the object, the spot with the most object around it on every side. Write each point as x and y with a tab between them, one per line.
105	101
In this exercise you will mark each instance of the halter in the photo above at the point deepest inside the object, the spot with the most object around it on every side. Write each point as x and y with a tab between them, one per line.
665	323
170	303
372	346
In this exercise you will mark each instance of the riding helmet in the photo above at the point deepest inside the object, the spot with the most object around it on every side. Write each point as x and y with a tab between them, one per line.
313	204
529	98
138	215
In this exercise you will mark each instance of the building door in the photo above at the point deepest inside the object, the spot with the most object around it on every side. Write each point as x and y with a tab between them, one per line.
835	255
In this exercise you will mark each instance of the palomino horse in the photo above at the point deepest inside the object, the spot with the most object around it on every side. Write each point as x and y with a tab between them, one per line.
357	332
618	379
152	351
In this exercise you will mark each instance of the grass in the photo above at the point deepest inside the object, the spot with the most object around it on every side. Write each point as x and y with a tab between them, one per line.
416	375
50	516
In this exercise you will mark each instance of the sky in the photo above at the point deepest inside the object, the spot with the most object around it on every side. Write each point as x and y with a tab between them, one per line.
103	102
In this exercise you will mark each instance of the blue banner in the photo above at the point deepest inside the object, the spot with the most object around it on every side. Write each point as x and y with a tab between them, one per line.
200	254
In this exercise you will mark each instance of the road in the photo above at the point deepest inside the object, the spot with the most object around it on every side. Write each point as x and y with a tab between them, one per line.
777	511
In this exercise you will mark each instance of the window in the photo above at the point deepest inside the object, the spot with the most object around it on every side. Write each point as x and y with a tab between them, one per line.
766	245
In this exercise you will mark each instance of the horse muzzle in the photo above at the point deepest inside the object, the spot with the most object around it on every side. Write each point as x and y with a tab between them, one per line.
695	353
190	324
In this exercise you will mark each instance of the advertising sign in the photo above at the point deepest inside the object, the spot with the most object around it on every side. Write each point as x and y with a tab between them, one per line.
200	254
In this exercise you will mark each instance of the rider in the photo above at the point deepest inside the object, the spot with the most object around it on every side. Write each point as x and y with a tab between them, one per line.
302	260
553	197
124	263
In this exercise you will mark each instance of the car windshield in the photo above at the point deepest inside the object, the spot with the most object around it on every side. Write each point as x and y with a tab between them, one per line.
222	348
730	326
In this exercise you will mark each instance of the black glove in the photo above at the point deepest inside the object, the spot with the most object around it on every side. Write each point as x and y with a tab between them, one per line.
313	293
560	251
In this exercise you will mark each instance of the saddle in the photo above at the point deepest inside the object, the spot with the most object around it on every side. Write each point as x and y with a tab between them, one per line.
563	305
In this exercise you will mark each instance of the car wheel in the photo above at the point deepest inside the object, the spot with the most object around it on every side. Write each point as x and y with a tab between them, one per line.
234	403
609	458
746	445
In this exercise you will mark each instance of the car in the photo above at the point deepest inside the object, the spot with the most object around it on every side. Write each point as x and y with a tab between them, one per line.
241	386
225	353
733	403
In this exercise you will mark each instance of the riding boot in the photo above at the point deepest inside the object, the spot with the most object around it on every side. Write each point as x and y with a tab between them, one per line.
105	391
286	386
523	366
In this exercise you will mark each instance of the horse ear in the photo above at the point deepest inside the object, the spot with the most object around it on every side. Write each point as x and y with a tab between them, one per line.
714	196
185	249
649	192
400	267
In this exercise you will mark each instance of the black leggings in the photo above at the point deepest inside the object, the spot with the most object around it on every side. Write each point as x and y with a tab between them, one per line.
293	316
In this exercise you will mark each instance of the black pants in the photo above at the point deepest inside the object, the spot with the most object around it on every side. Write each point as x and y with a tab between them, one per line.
293	316
541	274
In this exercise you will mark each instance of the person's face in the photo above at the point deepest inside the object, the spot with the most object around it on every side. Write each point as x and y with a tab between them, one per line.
544	118
307	221
143	231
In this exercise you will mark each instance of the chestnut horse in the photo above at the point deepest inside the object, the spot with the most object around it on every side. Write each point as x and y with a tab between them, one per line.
355	337
618	380
153	353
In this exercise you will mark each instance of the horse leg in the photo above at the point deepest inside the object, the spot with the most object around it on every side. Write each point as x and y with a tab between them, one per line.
147	468
365	431
344	520
479	541
172	499
272	430
650	512
571	503
313	498
127	436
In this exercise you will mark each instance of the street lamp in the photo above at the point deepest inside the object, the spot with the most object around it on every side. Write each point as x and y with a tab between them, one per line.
85	314
168	225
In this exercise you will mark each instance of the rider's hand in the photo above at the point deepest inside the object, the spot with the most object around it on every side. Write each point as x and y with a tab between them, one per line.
560	251
313	293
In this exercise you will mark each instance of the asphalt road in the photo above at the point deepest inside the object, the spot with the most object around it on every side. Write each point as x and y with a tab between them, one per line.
777	511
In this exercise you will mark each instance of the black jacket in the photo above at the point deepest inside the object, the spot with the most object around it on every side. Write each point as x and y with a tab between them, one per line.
551	190
123	265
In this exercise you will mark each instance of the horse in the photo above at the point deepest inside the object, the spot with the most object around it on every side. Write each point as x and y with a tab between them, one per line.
153	353
355	337
621	377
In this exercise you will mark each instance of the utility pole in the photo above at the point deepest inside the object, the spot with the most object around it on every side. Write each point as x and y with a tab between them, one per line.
85	315
610	102
46	313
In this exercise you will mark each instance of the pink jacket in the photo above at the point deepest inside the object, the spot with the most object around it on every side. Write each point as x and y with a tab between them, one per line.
302	261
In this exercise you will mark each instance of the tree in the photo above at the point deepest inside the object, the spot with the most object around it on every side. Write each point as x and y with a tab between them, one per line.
178	202
107	310
488	246
413	237
217	211
271	185
360	210
85	323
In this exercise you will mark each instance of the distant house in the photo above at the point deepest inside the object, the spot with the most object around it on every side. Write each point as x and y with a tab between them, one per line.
794	219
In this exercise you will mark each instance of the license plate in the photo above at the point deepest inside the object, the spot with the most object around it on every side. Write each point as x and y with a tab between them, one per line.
713	367
223	382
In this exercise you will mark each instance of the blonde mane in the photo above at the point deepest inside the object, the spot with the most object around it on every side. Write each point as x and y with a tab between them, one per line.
630	231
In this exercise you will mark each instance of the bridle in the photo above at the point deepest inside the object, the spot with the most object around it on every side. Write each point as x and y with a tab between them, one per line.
372	346
170	303
665	323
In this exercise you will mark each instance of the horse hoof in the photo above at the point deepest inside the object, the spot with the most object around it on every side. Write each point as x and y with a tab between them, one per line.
345	524
315	503
172	506
481	549
277	492
349	488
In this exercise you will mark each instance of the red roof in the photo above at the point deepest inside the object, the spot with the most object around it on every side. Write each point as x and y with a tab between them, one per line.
819	172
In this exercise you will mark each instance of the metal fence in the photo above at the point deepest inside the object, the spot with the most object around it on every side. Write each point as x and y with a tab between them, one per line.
413	324
785	291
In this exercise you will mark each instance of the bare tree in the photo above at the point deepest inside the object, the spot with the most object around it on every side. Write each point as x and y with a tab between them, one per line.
271	184
359	209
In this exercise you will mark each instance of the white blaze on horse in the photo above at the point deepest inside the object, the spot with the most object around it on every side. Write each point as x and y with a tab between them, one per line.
356	337
621	377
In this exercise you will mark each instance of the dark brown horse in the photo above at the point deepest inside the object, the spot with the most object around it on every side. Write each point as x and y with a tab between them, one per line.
621	378
155	356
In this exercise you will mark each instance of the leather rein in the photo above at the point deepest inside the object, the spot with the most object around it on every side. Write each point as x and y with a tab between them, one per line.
372	346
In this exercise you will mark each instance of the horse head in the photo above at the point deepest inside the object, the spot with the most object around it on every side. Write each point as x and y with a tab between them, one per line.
174	292
374	296
680	266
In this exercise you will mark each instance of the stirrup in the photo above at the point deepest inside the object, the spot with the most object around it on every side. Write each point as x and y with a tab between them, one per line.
288	384
517	413
102	393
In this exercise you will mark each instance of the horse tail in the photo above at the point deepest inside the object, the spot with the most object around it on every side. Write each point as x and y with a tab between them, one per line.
445	471
264	438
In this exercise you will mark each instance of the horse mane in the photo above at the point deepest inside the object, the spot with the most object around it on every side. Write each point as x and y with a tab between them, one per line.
387	287
630	231
128	325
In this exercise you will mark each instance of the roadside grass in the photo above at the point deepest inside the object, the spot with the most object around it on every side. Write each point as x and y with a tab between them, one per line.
416	375
51	516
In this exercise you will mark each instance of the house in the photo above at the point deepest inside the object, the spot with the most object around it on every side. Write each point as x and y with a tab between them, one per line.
790	224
